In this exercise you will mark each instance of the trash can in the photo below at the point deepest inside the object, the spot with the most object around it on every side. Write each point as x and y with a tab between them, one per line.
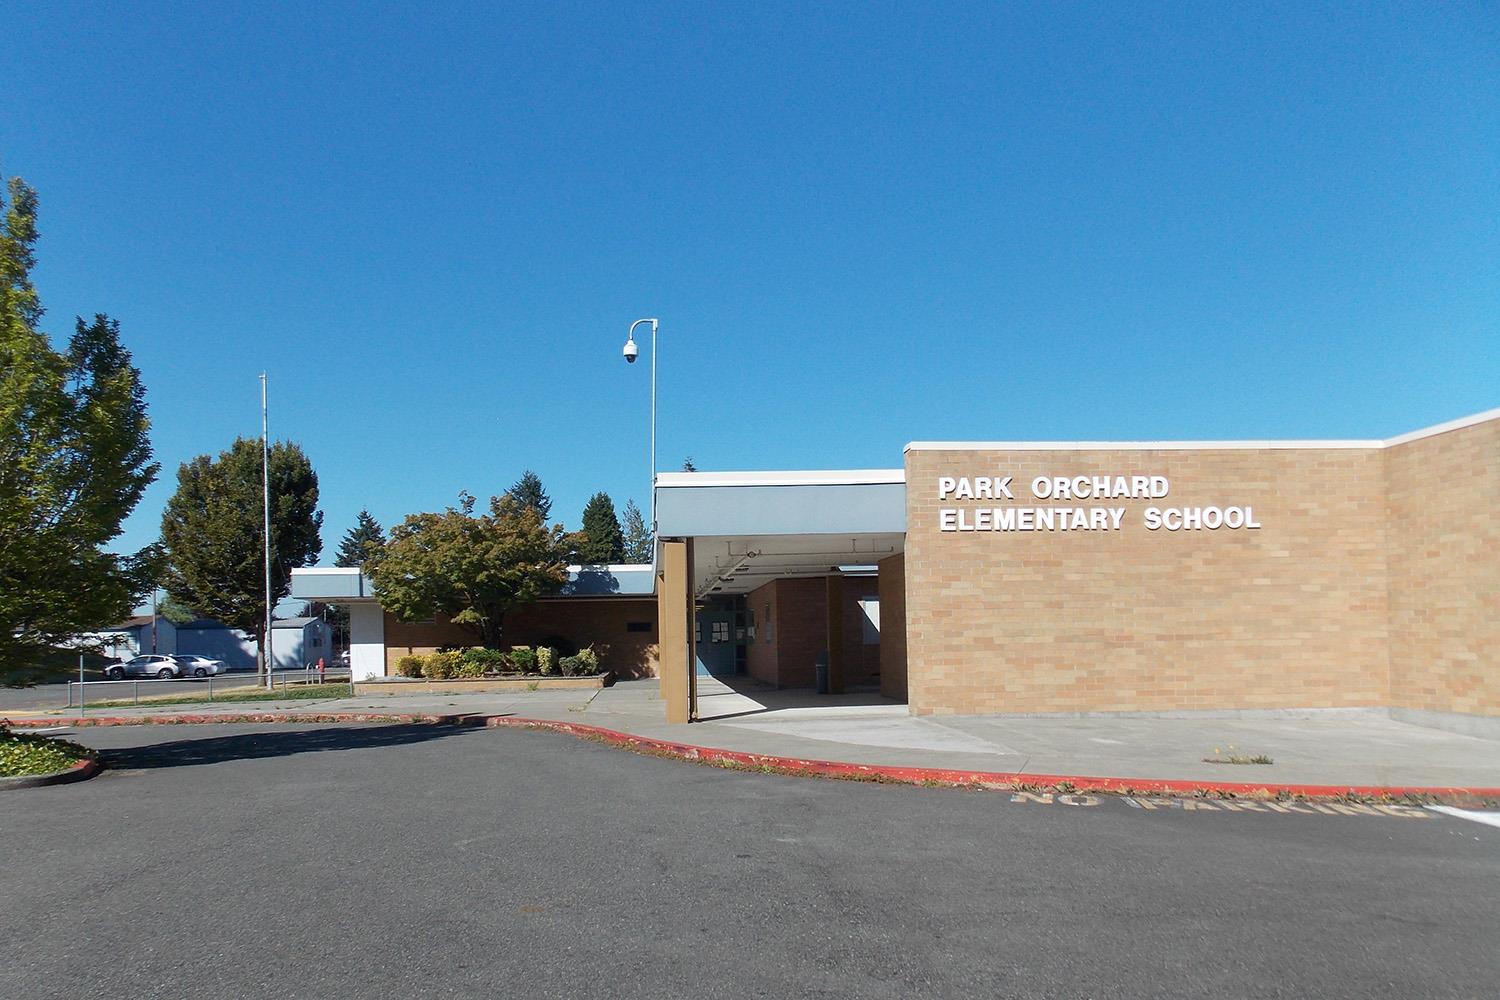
822	673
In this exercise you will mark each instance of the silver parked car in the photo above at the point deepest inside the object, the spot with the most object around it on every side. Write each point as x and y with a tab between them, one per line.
148	665
193	665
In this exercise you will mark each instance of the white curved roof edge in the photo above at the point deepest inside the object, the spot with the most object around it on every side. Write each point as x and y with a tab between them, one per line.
828	477
1451	425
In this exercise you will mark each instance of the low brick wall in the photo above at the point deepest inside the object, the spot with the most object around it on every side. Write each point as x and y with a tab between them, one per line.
480	685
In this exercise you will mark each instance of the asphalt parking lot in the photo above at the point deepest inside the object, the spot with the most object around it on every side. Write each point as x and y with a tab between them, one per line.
400	861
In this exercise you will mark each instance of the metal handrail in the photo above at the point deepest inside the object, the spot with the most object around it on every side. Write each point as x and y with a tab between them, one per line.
308	673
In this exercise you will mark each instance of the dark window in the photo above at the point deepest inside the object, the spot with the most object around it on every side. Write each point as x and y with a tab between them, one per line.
637	626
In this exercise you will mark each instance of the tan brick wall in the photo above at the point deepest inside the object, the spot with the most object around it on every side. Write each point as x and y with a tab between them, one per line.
602	622
1444	498
893	627
1293	614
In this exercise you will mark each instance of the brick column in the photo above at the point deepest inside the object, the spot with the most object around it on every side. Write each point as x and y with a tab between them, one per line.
835	595
674	608
893	626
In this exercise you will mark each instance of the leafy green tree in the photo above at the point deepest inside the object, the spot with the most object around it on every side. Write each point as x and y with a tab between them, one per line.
528	492
75	457
637	535
213	534
360	542
601	540
474	569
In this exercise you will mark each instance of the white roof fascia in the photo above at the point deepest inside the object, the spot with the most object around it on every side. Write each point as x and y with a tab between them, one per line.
1444	428
1451	425
840	477
1135	445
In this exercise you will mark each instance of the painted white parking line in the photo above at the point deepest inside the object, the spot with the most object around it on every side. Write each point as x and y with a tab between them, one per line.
1487	818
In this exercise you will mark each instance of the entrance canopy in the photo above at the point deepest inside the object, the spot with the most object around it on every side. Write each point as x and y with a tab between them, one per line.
749	528
739	564
792	540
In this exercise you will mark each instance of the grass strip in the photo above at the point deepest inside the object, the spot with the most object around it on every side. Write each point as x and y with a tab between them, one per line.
297	693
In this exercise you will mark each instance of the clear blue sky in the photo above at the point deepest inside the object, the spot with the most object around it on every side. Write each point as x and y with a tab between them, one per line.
860	224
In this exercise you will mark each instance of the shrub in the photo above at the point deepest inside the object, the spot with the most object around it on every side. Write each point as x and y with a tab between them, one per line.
409	666
478	661
441	666
468	668
523	659
572	666
546	660
589	659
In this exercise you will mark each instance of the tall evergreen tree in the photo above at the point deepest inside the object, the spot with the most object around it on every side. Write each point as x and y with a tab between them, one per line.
601	540
361	542
688	466
175	611
213	535
528	492
637	535
75	459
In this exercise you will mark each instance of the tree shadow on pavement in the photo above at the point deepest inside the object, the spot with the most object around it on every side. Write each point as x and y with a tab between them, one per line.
275	743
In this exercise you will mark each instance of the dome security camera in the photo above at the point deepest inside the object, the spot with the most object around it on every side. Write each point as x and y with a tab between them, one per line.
630	352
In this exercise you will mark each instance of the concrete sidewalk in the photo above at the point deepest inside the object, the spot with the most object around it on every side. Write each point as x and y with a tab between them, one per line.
1329	748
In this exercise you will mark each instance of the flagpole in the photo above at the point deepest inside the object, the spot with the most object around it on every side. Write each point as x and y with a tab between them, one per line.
265	485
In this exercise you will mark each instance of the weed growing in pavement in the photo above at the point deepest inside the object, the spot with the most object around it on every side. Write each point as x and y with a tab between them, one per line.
1230	756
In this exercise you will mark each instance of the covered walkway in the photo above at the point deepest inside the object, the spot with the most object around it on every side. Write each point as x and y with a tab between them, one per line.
763	575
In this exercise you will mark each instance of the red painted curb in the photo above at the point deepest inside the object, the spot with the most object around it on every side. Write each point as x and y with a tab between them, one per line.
990	780
987	780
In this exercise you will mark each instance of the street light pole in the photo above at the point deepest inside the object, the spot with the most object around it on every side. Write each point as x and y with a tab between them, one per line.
265	485
630	352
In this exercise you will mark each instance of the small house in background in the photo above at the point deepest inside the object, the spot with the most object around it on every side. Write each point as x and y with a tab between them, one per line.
296	642
138	635
300	642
